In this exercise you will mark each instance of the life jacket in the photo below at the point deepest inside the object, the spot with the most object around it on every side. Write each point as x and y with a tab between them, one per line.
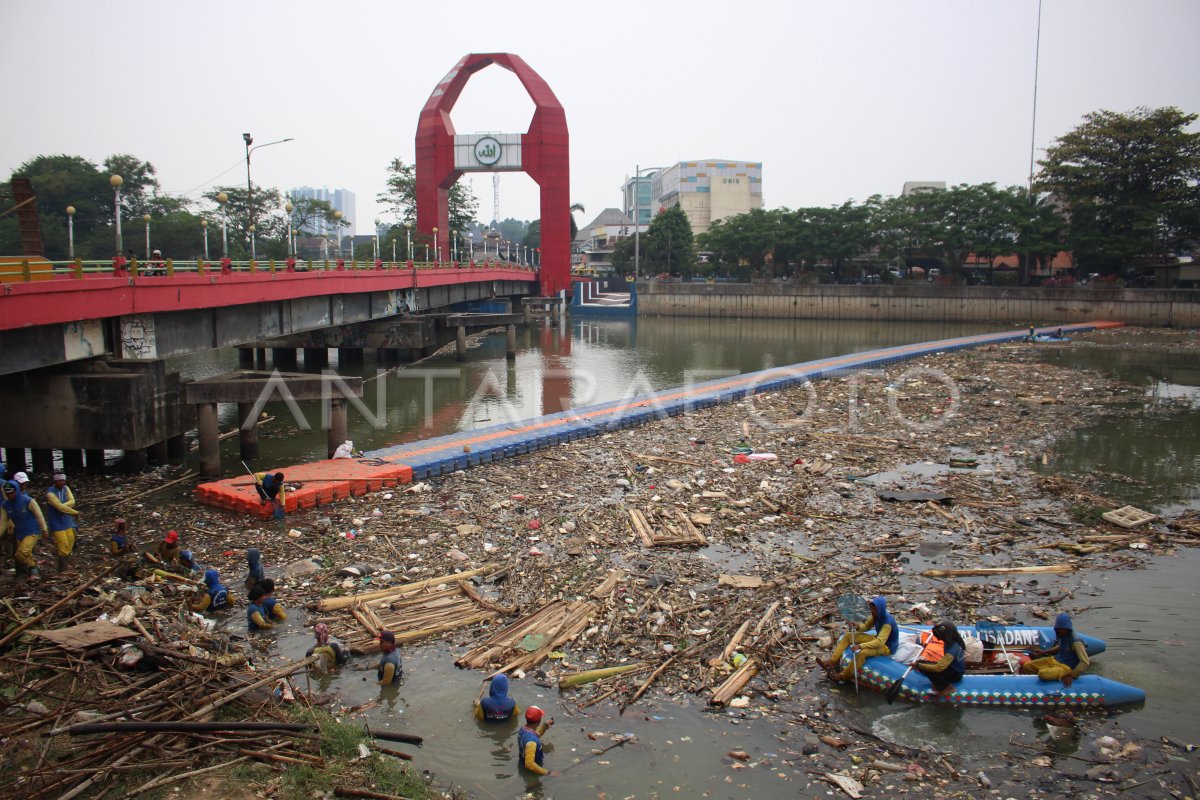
24	522
390	658
55	519
935	648
250	612
526	736
958	666
217	593
498	706
1066	651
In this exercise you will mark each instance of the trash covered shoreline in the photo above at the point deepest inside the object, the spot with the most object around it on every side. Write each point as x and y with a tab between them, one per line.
694	559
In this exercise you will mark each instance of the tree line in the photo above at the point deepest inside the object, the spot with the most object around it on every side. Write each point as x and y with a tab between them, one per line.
1119	192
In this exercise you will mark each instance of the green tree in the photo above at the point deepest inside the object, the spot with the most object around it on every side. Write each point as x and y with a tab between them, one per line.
1130	186
270	220
400	197
533	235
668	245
308	211
140	186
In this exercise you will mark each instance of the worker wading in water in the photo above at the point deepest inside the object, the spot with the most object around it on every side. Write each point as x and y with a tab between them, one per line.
529	742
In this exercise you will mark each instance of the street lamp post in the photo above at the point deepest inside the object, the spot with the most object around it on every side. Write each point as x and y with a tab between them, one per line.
204	227
288	208
115	181
377	240
146	219
393	251
253	251
408	236
337	228
454	245
437	247
71	232
249	140
222	199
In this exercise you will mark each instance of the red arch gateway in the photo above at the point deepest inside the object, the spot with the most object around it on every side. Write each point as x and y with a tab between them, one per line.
544	157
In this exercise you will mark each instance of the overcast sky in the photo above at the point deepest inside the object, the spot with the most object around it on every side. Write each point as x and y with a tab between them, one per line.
838	100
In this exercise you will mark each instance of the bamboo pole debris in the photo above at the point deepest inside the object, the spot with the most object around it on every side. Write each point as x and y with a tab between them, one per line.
335	603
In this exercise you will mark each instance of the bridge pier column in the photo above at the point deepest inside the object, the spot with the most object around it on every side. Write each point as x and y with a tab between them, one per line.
95	462
135	460
43	461
245	358
247	431
72	462
316	357
337	425
14	459
260	358
284	357
460	343
156	453
526	314
510	347
210	445
177	448
349	355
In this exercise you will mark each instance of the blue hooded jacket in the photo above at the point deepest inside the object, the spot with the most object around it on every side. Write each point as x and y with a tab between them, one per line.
1066	644
882	617
498	706
254	559
216	590
23	520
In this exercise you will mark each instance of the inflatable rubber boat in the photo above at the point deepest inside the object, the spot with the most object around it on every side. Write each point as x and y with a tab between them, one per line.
1003	689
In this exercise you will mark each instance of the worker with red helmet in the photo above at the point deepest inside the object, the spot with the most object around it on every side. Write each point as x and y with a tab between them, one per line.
529	741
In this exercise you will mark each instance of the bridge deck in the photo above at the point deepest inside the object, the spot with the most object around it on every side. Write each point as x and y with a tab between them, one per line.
446	454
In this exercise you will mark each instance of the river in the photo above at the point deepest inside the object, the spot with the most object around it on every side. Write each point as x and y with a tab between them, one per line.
680	747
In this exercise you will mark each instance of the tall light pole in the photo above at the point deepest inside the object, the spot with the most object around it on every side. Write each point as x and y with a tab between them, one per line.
249	140
146	219
337	228
454	244
437	247
253	251
71	232
115	181
637	222
288	208
204	227
377	256
408	236
393	250
222	199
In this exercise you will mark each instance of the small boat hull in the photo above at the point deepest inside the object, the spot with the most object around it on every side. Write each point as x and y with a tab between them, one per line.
1009	691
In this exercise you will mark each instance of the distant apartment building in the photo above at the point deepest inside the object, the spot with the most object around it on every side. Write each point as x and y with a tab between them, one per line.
636	198
708	190
921	186
340	199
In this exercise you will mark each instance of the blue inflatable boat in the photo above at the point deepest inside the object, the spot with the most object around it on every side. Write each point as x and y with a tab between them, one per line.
1005	690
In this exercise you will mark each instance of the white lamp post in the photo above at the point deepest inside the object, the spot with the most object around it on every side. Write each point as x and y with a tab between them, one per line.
71	232
204	227
408	235
146	219
253	251
337	227
437	247
376	240
288	208
115	181
222	199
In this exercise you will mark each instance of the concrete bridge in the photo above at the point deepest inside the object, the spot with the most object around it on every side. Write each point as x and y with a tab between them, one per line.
85	345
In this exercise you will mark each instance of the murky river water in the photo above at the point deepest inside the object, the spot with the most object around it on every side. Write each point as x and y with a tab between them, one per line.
1144	614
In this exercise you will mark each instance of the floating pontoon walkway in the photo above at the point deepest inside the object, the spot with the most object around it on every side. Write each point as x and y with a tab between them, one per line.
323	482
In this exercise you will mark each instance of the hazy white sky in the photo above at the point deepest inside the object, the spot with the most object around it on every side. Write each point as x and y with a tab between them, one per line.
839	100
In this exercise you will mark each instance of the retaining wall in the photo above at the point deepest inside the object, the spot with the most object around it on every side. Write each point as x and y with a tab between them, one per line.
1178	308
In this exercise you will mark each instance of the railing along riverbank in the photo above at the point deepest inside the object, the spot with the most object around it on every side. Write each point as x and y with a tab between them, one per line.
1178	308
